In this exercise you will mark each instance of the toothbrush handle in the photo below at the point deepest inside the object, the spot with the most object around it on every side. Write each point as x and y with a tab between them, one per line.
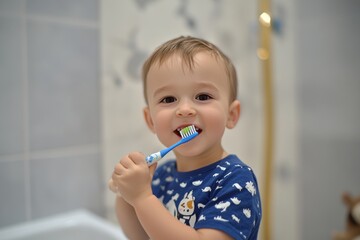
152	158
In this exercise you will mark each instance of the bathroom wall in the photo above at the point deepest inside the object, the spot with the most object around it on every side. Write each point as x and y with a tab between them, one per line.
50	141
328	87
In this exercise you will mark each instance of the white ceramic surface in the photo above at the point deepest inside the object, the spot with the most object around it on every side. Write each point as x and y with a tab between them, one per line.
79	225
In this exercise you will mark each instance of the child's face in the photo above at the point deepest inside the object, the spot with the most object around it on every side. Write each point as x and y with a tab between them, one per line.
178	97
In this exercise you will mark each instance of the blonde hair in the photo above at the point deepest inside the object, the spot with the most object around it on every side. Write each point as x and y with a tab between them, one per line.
187	48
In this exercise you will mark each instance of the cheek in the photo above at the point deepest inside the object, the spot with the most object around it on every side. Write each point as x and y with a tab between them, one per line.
216	126
215	117
161	120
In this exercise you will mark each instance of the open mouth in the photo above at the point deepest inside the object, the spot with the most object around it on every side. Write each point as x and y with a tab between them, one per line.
177	131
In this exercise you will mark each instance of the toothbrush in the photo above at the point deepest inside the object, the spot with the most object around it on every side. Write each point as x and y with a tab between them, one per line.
188	133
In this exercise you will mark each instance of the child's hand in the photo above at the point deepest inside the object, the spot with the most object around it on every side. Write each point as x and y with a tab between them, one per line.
132	178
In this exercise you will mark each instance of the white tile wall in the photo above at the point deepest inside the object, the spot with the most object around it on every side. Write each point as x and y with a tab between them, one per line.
50	146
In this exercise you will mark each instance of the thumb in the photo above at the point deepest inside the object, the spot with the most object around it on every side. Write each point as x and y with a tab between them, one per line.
152	169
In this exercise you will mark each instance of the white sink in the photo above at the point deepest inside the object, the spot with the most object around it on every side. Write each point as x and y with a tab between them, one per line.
77	225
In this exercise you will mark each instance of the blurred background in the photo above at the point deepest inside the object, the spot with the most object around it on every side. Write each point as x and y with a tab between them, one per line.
71	101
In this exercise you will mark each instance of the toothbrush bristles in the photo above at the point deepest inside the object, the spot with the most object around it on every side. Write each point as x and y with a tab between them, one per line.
188	131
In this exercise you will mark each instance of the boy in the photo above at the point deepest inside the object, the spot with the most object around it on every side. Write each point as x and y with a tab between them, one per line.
206	193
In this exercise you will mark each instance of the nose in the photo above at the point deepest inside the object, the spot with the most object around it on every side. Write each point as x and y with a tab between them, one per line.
185	109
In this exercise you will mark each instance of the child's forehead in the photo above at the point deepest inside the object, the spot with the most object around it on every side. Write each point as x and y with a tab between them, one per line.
185	61
175	71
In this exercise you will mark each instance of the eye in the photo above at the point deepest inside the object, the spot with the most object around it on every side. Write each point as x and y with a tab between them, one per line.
203	97
168	99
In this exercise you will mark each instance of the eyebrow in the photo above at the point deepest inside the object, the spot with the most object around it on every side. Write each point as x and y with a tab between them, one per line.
161	89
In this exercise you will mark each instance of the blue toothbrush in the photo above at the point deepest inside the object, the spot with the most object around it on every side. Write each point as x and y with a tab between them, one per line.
188	133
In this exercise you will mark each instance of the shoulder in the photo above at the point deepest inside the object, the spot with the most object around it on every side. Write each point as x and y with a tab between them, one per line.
235	175
234	202
233	167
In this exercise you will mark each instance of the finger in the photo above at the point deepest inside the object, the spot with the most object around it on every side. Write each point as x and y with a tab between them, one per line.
137	158
119	169
152	169
112	186
127	162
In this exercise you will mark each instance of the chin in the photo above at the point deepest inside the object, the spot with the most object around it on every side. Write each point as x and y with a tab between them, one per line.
188	152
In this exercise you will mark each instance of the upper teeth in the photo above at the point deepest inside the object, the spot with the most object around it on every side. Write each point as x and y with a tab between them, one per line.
179	129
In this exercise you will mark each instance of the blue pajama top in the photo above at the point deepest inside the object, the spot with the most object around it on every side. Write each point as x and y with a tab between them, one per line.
223	196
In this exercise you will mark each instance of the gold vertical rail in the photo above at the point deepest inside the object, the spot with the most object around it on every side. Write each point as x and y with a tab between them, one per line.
265	55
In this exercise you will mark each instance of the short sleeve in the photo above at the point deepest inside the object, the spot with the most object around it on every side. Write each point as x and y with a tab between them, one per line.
234	207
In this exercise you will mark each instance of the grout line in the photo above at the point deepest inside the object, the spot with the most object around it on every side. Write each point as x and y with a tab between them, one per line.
101	104
10	15
57	20
65	152
26	115
12	157
52	153
66	21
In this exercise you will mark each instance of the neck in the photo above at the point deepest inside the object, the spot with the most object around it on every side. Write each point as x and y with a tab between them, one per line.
189	163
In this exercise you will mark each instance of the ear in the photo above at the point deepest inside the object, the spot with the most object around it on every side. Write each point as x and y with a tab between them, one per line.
233	115
148	119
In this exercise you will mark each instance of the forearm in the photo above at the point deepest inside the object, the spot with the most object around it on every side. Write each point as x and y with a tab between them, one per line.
128	220
160	224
